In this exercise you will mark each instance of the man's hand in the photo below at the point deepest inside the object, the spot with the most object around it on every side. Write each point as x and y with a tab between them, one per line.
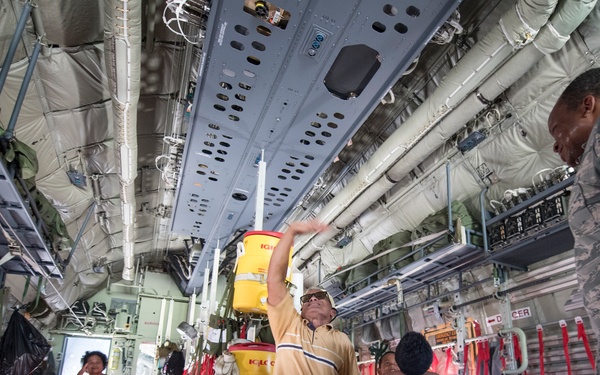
280	258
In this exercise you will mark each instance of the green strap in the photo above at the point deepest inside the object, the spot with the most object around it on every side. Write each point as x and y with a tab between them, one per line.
26	288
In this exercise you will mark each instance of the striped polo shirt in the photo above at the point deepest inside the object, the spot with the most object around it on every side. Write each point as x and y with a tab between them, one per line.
301	350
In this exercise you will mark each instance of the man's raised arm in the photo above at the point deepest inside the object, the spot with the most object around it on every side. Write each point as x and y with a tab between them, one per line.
279	259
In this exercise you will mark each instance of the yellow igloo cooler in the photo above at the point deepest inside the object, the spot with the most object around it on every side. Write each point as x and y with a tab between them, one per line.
254	358
250	287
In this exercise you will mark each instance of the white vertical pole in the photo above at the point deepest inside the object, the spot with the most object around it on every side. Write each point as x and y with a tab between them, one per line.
213	283
170	320
159	334
260	192
205	305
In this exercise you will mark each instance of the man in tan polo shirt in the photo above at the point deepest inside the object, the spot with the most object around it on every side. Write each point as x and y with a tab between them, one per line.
306	343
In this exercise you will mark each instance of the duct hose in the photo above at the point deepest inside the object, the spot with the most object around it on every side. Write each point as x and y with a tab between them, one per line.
122	49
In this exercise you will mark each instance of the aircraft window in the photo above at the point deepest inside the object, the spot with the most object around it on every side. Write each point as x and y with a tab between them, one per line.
253	60
237	108
241	30
379	27
213	179
286	170
233	118
390	10
315	124
322	115
281	177
338	116
219	107
240	97
320	142
401	28
274	189
222	152
220	160
309	157
258	46
290	164
295	178
332	125
224	144
326	134
412	11
284	194
309	133
299	171
305	142
225	85
201	172
202	165
237	45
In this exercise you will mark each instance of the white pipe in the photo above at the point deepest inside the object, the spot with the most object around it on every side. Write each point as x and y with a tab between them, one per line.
122	50
522	344
213	283
204	306
260	192
170	320
159	333
340	210
192	309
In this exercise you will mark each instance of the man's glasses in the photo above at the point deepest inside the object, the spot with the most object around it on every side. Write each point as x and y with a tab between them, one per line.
318	295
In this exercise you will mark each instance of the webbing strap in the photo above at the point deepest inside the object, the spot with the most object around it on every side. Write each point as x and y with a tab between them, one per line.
434	362
581	335
565	340
448	359
540	332
502	358
465	358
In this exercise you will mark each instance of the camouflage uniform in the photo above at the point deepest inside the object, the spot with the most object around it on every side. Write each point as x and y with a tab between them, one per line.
584	220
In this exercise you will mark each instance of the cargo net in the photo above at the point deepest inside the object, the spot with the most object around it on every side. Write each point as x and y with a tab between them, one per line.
187	18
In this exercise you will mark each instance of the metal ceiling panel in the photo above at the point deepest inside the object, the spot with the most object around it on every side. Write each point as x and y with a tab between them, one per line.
262	87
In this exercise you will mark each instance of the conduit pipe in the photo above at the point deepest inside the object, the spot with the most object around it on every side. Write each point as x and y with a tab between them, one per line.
122	49
523	345
412	142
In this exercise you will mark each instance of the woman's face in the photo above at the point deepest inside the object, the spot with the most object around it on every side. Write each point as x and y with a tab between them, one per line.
94	365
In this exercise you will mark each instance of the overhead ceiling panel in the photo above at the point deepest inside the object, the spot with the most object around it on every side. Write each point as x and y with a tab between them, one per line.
296	83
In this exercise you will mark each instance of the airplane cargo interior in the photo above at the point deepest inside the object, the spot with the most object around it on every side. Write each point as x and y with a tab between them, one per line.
373	187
